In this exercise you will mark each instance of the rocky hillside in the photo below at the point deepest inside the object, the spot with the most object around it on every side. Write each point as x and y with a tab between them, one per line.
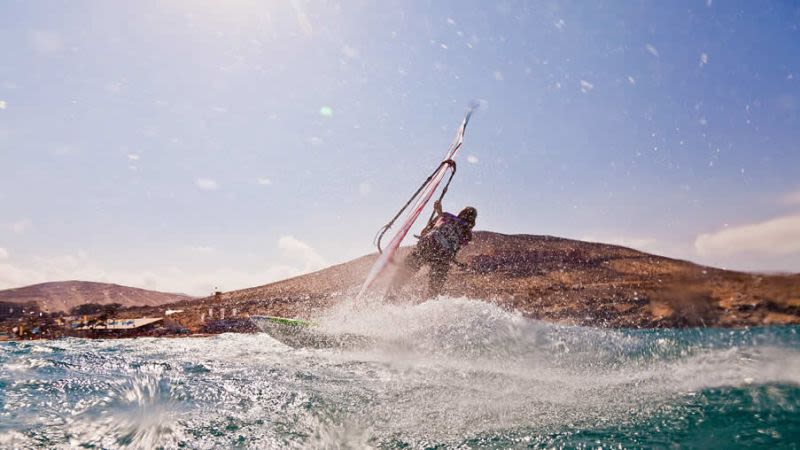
61	296
554	279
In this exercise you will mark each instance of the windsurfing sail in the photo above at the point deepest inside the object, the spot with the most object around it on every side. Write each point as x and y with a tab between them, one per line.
419	200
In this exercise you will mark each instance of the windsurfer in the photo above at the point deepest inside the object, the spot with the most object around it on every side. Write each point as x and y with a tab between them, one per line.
438	245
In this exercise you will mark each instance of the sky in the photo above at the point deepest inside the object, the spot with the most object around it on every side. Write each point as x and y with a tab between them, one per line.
190	145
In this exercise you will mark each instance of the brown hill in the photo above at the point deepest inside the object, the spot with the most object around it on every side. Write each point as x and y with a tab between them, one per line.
554	279
61	296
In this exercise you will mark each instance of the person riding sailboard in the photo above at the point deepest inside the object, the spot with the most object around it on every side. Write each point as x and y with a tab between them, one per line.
417	203
437	247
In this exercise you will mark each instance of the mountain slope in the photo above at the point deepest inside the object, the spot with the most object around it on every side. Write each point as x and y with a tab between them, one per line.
559	280
65	295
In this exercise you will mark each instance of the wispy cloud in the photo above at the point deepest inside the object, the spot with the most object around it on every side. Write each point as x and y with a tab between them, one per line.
472	159
3	253
792	198
653	51
778	236
207	184
133	156
20	226
264	181
300	252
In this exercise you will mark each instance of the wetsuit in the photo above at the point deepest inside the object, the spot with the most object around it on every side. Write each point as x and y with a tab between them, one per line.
437	248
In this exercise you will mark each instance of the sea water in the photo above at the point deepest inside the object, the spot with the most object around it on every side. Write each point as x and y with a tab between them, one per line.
448	373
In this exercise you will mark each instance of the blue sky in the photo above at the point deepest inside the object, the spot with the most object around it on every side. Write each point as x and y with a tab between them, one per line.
182	145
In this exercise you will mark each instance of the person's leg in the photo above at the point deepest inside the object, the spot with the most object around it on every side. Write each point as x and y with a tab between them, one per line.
437	276
407	269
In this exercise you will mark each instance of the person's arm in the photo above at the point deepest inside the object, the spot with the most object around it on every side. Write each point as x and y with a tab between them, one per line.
437	210
466	238
437	207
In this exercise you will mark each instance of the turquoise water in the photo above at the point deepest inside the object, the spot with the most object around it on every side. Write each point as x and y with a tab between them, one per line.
451	373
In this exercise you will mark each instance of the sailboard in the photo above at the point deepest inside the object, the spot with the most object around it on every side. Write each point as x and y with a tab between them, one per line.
419	200
299	333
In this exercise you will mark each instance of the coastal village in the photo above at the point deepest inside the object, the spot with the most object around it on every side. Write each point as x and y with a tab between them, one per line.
541	277
113	321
